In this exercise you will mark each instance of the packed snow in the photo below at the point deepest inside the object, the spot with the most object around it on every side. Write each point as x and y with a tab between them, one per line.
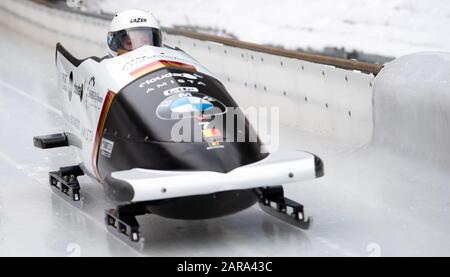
388	28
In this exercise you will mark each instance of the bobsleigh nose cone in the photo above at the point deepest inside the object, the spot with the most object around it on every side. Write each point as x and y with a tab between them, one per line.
118	190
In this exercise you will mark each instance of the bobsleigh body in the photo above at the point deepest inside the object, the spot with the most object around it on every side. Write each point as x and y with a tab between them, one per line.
144	126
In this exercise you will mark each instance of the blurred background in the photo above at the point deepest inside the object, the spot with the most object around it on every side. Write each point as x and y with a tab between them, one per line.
368	30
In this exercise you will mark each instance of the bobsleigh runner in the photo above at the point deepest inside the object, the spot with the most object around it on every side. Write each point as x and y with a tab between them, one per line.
120	114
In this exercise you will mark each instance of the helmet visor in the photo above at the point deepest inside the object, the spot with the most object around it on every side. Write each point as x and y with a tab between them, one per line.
130	39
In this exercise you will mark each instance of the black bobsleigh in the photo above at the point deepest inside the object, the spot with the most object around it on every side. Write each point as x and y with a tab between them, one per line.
153	127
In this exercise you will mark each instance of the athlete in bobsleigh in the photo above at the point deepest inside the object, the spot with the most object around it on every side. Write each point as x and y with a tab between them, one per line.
120	113
131	30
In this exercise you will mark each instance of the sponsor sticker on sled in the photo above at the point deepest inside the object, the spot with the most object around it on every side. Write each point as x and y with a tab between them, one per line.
214	145
185	104
210	133
153	66
106	147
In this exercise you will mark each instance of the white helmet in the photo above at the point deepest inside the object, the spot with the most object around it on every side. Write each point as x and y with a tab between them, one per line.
132	29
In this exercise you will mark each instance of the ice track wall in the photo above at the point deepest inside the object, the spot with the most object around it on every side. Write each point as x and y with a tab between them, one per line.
314	97
412	108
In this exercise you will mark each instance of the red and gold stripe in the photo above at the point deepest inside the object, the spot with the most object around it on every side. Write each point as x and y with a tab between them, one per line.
141	71
99	133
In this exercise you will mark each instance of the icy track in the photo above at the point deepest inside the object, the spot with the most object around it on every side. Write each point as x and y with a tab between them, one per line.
371	202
